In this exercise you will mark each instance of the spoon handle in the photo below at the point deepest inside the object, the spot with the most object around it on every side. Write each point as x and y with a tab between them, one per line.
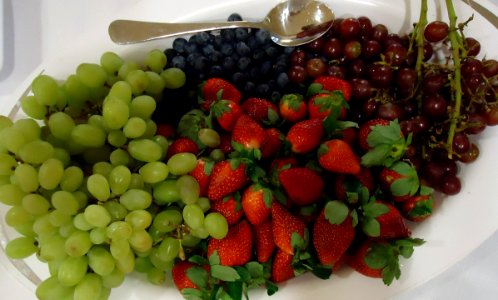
129	32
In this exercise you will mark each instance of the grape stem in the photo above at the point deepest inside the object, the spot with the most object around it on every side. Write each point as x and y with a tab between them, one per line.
456	46
422	22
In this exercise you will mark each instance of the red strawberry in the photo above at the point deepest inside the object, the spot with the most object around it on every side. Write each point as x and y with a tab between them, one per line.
235	248
202	173
179	275
226	112
418	207
248	133
357	261
226	143
400	181
281	268
305	136
332	240
230	208
166	130
331	83
338	157
392	225
227	177
279	164
215	89
182	144
256	203
293	108
348	135
302	185
322	104
261	110
263	241
273	142
348	183
284	224
365	130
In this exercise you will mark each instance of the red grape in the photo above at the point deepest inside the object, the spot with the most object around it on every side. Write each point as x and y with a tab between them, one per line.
436	31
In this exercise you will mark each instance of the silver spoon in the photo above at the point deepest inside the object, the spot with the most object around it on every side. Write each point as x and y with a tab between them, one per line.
290	23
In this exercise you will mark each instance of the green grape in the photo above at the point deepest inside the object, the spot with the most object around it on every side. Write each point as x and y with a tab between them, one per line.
209	137
167	220
126	68
119	157
100	260
77	92
13	139
98	235
200	232
121	90
193	216
62	155
29	129
74	148
42	225
174	78
97	215
17	215
169	249
138	81
116	138
142	106
204	203
21	247
98	121
189	240
136	181
52	289
159	262
67	229
50	173
52	248
156	276
4	180
115	113
11	194
88	135
5	122
134	199
98	186
61	125
35	204
150	131
182	163
135	127
113	280
117	211
119	180
32	108
80	222
88	288
143	264
139	219
59	218
65	202
166	192
120	248
216	224
7	164
91	75
156	83
53	266
78	243
111	62
154	172
163	142
72	270
155	60
127	263
140	240
217	155
103	168
45	89
119	230
72	179
26	229
145	150
189	189
105	293
82	198
144	253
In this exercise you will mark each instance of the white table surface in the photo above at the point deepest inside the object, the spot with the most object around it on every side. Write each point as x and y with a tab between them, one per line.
30	33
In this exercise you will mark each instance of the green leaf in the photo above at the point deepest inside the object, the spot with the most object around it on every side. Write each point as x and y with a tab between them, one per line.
314	88
297	241
267	197
403	187
322	271
255	269
273	116
234	289
425	190
378	256
243	273
271	288
234	163
214	259
192	294
376	156
336	212
224	273
197	259
390	134
391	272
371	227
374	209
208	166
198	276
354	216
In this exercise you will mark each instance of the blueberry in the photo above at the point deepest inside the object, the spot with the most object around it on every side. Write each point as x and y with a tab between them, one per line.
234	17
202	38
289	50
215	71
226	49
190	48
282	80
228	63
216	57
178	44
170	53
258	54
238	78
275	96
271	51
208	50
280	67
228	35
178	62
249	87
241	34
265	68
262	36
217	41
262	89
243	63
200	63
242	48
254	72
252	43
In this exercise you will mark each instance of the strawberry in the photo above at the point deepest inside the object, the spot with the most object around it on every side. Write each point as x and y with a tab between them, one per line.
215	89
358	263
179	275
292	108
202	173
322	104
348	135
365	130
279	164
182	144
338	157
348	186
227	177
230	208
226	143
235	248
284	225
261	110
332	235
281	267
418	207
248	133
263	241
305	136
331	84
392	225
302	185
166	130
274	138
226	112
256	203
400	181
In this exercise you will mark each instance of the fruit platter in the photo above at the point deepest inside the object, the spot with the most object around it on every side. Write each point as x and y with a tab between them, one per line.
220	165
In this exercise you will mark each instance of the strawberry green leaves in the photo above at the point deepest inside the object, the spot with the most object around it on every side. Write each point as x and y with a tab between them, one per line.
336	212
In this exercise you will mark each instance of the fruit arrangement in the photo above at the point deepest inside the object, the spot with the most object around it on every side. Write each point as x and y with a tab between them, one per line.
230	163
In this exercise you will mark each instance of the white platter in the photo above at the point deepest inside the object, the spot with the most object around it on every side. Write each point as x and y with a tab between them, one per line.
460	223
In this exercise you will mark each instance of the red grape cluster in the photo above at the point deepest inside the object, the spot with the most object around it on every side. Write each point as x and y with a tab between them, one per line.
387	82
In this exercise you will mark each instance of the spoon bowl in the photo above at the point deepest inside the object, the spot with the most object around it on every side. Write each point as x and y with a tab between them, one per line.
288	25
